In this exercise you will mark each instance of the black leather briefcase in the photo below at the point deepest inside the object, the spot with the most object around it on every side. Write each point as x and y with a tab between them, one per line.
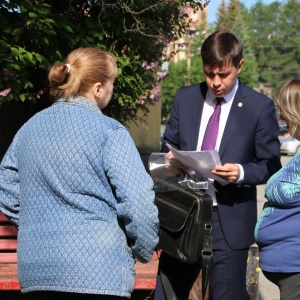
185	224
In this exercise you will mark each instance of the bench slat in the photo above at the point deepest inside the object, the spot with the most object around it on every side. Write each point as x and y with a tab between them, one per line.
8	258
8	230
145	283
3	218
6	244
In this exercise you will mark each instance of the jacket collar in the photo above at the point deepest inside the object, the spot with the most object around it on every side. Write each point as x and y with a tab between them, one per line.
79	101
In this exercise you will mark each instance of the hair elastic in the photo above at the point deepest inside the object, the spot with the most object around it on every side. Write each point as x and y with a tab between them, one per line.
69	67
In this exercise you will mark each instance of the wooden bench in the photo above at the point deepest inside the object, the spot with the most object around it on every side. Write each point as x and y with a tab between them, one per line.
145	273
8	255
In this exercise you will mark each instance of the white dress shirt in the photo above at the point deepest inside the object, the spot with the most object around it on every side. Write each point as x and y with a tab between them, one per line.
208	109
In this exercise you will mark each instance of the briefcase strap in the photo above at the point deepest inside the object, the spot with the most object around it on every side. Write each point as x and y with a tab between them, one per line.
206	257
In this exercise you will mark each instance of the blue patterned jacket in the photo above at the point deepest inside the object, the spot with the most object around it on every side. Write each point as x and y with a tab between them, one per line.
277	231
74	184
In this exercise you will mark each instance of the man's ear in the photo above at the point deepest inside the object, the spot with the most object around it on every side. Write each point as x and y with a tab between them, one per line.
240	66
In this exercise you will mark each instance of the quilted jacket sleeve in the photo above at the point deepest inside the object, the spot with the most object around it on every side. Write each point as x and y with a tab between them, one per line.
133	187
9	183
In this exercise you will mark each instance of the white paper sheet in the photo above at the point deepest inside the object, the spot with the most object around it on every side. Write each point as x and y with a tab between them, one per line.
201	161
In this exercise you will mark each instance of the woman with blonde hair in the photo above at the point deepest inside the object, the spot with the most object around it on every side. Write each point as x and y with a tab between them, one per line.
277	231
74	184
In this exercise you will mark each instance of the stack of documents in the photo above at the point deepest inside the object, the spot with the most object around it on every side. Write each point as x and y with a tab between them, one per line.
202	162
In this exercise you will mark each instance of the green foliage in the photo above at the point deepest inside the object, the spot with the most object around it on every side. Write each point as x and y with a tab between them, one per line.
175	79
36	34
275	38
28	47
196	73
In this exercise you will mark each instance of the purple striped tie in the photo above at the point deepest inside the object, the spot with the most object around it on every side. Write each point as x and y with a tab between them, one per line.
211	132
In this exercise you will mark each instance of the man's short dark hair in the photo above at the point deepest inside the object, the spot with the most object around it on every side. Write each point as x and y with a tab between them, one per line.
221	48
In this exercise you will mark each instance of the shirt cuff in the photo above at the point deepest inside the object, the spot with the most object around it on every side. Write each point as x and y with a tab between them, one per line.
241	173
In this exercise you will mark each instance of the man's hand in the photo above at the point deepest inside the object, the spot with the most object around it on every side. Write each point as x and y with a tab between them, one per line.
176	163
228	172
170	156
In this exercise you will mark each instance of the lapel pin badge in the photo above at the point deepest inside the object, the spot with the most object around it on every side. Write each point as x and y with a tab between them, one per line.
240	104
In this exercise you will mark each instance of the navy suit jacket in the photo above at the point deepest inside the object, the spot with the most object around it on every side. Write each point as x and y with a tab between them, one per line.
250	138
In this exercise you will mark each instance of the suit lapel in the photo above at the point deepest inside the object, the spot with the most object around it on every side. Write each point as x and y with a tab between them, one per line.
237	109
196	114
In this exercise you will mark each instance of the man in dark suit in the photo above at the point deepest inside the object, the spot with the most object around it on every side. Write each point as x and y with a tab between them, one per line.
249	149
